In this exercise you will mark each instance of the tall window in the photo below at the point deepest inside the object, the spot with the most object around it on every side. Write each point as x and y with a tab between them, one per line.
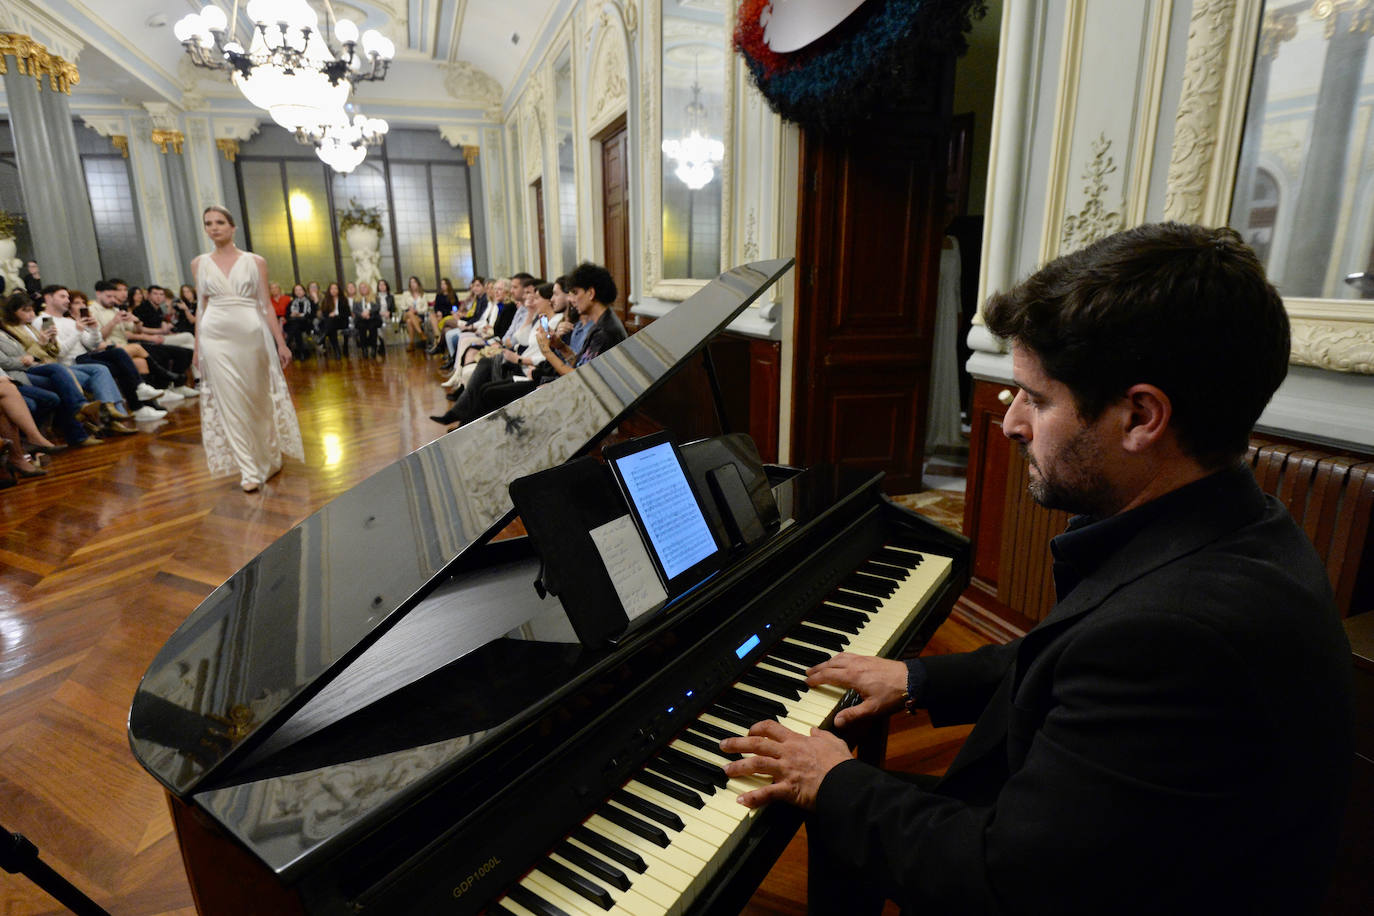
290	218
117	239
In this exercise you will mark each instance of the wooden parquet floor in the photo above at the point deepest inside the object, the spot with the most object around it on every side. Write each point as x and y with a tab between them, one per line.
102	559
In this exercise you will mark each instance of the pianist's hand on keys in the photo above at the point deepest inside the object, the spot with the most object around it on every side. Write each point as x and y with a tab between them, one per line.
796	762
881	682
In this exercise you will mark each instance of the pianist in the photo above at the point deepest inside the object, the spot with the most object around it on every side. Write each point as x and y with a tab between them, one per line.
1175	735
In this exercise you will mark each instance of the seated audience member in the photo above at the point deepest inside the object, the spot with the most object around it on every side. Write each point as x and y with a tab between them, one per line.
386	301
367	320
41	383
1175	736
476	301
38	337
25	436
79	342
334	319
476	330
414	305
441	311
300	319
592	288
184	307
163	367
155	316
33	281
279	301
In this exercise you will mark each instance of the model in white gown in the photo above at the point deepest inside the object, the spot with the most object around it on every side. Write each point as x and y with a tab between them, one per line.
246	418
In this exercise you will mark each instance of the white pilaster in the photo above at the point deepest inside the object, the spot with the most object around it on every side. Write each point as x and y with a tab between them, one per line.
202	160
151	196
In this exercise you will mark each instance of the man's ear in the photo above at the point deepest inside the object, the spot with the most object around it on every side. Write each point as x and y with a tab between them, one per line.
1147	411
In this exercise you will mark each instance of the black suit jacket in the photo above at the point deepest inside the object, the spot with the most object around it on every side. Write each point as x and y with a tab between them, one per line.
1174	737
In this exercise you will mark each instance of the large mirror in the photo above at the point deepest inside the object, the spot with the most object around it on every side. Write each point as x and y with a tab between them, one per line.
567	168
694	118
1304	193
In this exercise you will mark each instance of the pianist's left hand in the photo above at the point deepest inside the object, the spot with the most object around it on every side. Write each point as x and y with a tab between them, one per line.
797	763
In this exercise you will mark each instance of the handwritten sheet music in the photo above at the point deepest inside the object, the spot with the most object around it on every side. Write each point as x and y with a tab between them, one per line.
627	562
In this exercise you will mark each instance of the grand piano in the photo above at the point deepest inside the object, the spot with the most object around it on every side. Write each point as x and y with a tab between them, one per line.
381	714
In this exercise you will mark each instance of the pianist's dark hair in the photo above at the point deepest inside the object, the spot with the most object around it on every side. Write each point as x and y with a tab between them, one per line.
1185	308
595	278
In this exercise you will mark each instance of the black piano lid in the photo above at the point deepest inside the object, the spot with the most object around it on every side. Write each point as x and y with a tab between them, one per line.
281	629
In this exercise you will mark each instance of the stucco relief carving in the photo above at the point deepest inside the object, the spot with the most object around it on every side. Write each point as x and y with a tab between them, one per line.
1197	124
609	86
1094	221
751	245
1286	143
1344	346
466	83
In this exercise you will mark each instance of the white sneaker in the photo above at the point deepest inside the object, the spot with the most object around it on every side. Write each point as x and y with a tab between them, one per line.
149	412
186	391
147	392
171	397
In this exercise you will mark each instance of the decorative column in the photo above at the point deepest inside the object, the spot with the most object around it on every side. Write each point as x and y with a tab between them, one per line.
1323	174
1278	27
153	199
185	217
229	134
202	157
50	174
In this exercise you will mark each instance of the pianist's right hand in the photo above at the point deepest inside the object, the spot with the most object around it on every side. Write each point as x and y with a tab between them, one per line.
880	681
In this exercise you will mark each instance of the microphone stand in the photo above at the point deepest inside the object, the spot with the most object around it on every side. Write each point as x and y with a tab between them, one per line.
19	856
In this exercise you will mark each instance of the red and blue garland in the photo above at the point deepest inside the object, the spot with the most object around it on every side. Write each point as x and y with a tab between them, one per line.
867	63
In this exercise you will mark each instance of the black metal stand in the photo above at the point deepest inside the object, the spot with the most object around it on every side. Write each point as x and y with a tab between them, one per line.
716	395
19	856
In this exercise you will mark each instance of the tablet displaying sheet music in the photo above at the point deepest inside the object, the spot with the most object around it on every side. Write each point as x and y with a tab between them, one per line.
666	510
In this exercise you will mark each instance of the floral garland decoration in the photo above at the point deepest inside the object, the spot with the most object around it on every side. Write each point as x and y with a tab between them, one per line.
358	215
870	62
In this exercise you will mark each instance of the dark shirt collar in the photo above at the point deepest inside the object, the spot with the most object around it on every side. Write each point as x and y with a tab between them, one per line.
1087	542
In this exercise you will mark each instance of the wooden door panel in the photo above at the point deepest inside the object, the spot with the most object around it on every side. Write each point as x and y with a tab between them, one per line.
868	248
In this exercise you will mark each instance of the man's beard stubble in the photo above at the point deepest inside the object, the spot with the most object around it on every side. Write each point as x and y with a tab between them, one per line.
1086	492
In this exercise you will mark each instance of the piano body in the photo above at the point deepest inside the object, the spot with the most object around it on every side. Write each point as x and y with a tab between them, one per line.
379	714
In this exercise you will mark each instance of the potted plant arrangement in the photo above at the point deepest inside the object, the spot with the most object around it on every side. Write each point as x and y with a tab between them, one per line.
361	228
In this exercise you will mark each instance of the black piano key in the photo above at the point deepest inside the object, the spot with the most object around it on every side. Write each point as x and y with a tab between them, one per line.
713	731
897	557
593	865
693	764
609	848
868	585
906	542
731	714
498	908
885	570
636	825
777	661
823	616
823	638
533	902
852	615
745	701
802	655
854	600
648	809
687	777
782	685
671	789
577	883
706	744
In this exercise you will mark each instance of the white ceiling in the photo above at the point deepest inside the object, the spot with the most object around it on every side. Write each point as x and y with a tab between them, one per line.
130	56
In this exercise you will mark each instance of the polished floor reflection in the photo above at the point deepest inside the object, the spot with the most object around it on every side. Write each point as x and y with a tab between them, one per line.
102	559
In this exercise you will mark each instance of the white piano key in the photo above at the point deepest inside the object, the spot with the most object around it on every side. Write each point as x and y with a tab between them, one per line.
626	901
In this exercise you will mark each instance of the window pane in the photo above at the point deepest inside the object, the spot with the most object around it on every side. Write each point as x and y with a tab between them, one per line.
454	222
414	237
265	211
367	185
312	224
112	208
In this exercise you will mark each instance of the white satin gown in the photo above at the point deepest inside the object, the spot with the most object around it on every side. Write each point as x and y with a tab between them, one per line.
247	420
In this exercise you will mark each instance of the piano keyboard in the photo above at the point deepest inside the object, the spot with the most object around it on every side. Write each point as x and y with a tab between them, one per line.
653	846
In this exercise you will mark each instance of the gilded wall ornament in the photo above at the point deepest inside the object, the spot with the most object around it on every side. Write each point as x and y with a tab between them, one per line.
33	59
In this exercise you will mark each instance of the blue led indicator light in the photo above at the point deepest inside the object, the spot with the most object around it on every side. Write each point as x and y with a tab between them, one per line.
748	645
690	692
671	708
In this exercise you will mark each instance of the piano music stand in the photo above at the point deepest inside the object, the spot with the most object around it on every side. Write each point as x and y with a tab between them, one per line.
19	856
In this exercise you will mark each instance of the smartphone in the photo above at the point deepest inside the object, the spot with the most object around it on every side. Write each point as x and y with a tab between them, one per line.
47	322
544	323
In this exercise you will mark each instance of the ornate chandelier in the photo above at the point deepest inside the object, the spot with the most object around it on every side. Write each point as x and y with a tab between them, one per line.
289	69
696	154
342	144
